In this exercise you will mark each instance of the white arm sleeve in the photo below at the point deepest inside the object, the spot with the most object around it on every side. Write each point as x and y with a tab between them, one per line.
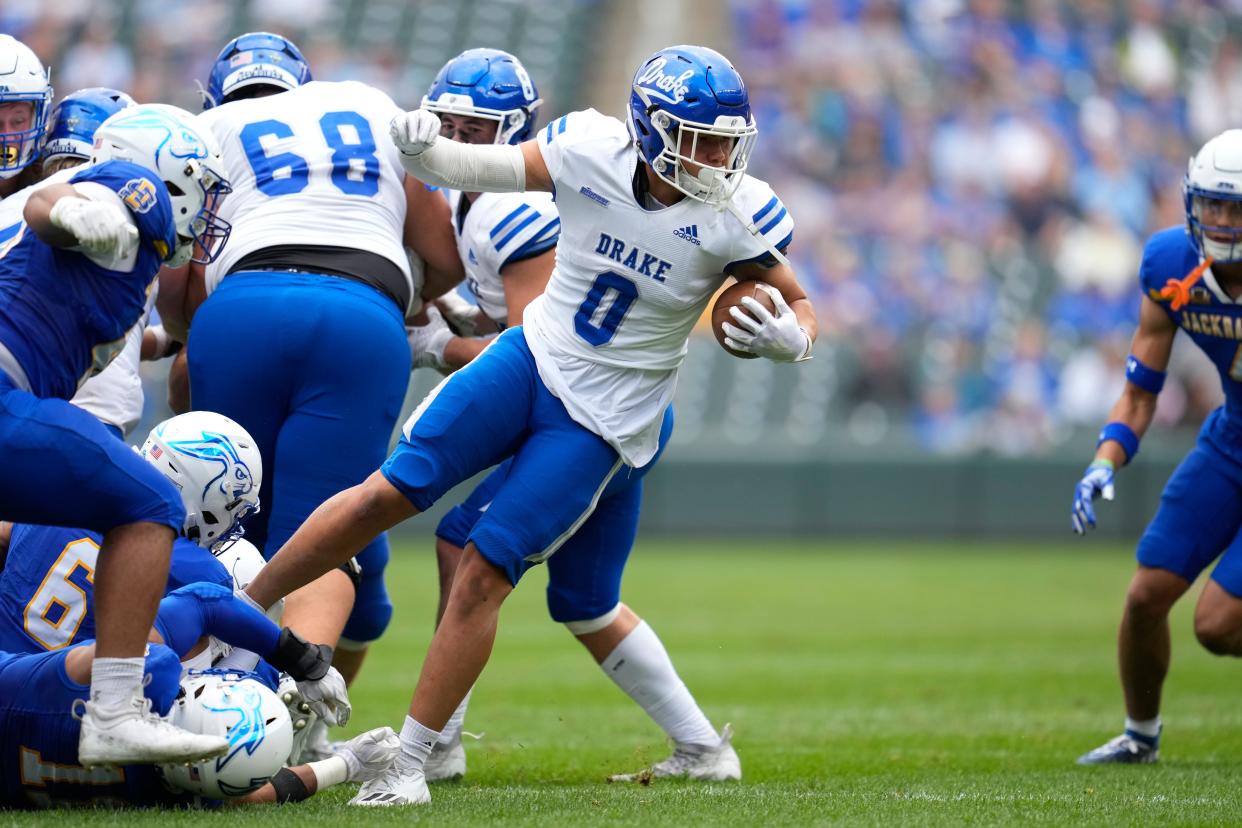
471	168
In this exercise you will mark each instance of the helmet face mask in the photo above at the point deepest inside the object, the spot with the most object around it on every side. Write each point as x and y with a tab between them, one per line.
1212	193
683	97
254	59
217	468
489	84
23	80
166	140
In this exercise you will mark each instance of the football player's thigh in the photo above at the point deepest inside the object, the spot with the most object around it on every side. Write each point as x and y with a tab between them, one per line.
341	414
456	524
584	575
471	421
249	385
1200	514
557	477
62	467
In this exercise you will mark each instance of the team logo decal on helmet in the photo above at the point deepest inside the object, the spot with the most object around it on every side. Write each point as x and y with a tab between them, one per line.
683	97
234	480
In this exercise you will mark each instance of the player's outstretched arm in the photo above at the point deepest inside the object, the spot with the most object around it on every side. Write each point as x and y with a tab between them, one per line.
63	217
361	759
1130	415
471	168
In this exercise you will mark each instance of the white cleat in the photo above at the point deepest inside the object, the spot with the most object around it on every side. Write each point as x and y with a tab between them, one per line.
446	762
130	734
704	764
393	788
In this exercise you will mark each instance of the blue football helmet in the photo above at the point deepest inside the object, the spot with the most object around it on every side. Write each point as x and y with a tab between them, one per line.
252	59
491	84
22	80
71	129
1213	185
681	94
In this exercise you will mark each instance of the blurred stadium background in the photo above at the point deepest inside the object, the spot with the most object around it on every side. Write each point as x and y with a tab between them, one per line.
972	182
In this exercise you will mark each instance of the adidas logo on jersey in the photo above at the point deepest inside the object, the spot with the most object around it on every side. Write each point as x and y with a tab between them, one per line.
690	234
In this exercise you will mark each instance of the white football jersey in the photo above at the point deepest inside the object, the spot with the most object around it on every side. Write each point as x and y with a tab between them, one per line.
114	395
613	326
500	228
311	166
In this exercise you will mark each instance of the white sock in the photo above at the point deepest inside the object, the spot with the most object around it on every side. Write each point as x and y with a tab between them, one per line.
114	681
1149	727
640	666
452	730
416	744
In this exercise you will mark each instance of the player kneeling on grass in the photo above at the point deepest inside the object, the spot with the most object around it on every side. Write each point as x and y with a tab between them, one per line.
1191	278
650	218
40	699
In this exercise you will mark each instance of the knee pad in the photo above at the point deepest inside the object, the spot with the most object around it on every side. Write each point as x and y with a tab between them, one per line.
591	625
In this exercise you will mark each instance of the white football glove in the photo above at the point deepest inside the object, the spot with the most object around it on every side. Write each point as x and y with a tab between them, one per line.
414	132
370	754
778	338
460	315
327	698
427	342
102	229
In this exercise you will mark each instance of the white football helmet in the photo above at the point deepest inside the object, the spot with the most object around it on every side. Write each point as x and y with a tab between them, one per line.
243	561
22	79
1214	181
242	710
168	141
215	465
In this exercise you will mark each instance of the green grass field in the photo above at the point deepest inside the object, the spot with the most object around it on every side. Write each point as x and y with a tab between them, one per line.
868	683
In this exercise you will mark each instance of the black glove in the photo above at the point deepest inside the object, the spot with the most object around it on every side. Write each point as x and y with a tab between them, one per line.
299	658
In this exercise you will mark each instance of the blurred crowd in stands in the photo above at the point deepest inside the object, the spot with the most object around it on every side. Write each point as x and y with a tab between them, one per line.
972	180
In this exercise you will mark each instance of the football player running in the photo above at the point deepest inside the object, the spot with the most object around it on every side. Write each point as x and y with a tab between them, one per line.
323	212
507	244
25	101
1191	278
588	378
104	230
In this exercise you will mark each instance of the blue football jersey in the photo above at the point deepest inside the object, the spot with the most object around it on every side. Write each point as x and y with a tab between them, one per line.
47	585
39	737
1211	318
62	316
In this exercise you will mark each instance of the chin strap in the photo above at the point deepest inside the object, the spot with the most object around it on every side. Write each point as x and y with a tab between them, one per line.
1179	289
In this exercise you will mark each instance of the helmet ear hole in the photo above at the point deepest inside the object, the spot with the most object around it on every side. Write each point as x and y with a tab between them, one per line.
210	518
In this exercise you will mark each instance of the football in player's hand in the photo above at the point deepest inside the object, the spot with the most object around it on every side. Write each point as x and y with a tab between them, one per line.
731	297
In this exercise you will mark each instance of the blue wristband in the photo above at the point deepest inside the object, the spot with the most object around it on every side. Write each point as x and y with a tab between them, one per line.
1149	379
1123	434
